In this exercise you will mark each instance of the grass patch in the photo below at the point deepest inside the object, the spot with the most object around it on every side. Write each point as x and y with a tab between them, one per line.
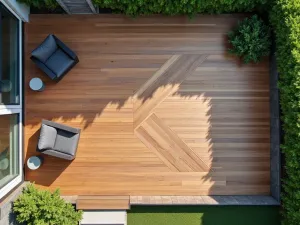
203	215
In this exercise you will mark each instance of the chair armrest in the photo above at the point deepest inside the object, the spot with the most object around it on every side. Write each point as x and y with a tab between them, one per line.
61	126
57	154
65	48
44	68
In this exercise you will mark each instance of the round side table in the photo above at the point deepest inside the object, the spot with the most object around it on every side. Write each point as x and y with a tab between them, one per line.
35	162
4	163
5	86
36	84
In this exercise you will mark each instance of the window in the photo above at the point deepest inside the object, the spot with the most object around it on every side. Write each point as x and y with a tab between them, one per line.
9	57
9	148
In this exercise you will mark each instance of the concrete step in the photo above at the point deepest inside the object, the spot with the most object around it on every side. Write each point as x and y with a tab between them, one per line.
77	6
116	217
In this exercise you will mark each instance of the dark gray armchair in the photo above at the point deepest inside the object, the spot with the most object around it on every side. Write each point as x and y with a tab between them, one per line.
58	140
54	58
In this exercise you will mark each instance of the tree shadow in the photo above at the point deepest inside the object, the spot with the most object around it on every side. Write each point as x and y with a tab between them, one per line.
239	136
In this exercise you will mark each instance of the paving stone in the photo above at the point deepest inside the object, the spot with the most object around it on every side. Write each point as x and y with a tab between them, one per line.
204	200
158	200
174	200
166	200
274	127
210	200
8	220
243	200
274	103
274	75
181	199
152	200
140	199
146	199
199	200
133	200
191	200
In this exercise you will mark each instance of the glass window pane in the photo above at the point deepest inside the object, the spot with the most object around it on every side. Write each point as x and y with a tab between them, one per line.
9	148
9	57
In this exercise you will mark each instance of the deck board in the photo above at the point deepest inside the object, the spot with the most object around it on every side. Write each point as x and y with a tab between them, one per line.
215	113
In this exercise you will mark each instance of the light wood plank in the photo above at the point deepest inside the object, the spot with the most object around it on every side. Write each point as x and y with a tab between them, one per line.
103	202
169	147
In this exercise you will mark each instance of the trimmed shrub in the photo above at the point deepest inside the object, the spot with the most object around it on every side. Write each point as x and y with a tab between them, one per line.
175	7
41	207
250	40
285	17
41	4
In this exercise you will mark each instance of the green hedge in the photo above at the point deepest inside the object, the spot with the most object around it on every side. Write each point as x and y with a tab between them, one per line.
250	40
168	7
174	7
41	4
285	18
42	207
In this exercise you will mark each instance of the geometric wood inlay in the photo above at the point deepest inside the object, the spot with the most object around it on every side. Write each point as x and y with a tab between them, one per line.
168	146
157	136
163	83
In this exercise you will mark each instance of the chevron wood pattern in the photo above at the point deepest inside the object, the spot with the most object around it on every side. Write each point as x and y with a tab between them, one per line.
163	109
169	147
164	83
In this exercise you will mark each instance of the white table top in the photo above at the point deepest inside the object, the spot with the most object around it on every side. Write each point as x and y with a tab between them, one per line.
4	163
36	84
34	162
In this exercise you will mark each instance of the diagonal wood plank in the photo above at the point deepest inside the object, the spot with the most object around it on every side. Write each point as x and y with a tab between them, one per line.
142	90
168	146
165	82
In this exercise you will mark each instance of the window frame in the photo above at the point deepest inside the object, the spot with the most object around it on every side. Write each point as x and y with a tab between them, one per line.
20	177
16	109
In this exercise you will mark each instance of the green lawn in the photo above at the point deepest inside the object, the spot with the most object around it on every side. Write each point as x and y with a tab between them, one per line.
204	215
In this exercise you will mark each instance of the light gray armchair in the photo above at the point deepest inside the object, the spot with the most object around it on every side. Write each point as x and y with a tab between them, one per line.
58	140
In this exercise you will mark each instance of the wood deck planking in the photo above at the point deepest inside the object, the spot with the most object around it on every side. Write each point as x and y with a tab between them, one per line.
219	110
103	202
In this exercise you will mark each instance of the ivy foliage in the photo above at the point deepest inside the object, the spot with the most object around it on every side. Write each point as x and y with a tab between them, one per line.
40	4
41	207
250	40
285	17
177	7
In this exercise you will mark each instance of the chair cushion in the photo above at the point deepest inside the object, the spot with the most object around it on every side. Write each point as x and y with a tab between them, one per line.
47	137
45	50
59	62
66	142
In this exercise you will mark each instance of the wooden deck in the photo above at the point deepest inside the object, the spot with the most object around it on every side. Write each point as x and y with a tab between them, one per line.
163	109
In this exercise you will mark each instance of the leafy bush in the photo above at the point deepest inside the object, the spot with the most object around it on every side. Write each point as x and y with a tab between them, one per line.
41	207
175	7
250	40
285	17
48	4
